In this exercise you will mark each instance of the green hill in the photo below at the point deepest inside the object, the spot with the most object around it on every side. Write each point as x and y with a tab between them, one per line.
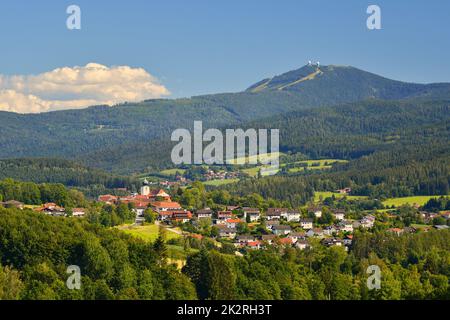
133	137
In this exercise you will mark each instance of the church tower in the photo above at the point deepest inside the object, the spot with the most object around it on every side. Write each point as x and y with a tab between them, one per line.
145	189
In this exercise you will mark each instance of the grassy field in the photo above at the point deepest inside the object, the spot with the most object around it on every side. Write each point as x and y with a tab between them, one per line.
327	194
314	164
148	232
322	162
420	226
216	183
172	172
419	200
262	157
252	172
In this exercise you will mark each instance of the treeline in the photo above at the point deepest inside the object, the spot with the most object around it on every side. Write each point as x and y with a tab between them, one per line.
409	270
35	194
36	251
62	171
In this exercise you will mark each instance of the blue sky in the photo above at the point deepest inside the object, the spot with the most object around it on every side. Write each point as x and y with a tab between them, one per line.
198	46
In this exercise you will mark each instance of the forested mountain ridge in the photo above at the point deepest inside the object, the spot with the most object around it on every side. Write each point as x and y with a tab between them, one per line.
77	134
344	131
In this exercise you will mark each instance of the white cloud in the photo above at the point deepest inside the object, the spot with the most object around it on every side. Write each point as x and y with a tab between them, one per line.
77	87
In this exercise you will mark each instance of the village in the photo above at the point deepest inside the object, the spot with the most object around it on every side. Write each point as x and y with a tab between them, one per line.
243	227
250	228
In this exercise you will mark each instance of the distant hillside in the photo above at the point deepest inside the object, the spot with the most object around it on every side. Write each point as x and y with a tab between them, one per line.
346	131
111	137
60	171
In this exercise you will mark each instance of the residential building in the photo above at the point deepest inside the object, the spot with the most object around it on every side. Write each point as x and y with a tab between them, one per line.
204	213
281	229
339	214
306	223
317	211
253	214
275	213
291	215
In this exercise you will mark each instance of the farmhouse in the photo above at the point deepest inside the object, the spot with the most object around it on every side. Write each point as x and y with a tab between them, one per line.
52	209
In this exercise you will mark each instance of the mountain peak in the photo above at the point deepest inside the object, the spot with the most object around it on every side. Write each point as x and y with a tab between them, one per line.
294	79
315	84
288	79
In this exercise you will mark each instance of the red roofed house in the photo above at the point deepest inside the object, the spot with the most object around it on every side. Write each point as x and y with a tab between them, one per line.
223	216
165	206
160	194
181	216
51	208
107	198
254	244
286	241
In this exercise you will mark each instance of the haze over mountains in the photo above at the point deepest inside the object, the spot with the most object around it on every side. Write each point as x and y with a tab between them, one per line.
115	137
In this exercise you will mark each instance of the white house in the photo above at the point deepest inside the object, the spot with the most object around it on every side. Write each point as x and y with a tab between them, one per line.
291	215
204	213
229	233
275	213
306	223
281	229
339	214
232	223
253	214
302	244
346	226
317	211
